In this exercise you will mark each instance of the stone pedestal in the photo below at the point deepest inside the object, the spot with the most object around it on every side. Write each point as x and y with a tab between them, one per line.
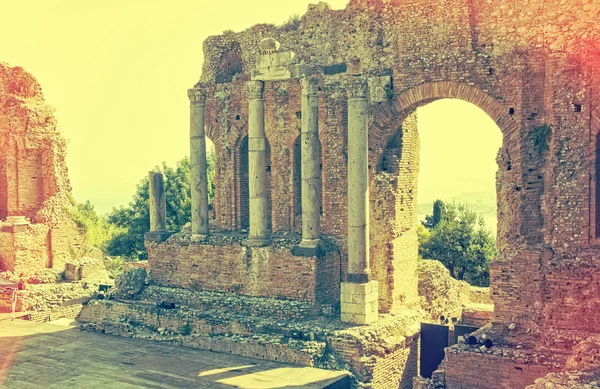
258	235
198	171
359	302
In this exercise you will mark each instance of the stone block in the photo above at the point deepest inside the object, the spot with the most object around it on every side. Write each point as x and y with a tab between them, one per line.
359	302
73	272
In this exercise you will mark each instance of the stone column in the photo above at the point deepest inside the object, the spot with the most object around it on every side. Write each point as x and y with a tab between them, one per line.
258	235
358	295
158	209
199	179
158	202
311	165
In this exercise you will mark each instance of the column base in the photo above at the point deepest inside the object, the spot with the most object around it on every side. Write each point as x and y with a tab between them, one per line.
309	248
359	302
198	238
257	242
157	236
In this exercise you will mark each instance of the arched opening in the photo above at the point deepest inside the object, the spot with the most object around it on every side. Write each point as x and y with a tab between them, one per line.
395	154
439	149
211	160
297	180
244	189
459	144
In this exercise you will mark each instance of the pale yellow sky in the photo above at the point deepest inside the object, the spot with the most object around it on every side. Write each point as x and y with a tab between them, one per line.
117	72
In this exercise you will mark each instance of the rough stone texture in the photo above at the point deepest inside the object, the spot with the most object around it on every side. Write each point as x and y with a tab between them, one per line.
445	300
129	283
569	380
38	237
267	328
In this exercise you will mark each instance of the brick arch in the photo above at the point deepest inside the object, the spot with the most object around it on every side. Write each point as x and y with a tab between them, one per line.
389	118
392	127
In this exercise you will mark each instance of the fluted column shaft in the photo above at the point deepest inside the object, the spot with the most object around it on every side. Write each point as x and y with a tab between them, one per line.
256	163
311	163
199	177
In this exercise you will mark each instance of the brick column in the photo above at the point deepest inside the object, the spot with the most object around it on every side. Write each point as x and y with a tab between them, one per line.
258	235
358	295
199	178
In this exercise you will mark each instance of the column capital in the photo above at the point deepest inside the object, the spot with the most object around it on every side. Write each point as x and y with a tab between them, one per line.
197	95
255	89
309	85
357	87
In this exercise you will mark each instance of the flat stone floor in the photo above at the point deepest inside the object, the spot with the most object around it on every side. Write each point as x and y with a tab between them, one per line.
60	355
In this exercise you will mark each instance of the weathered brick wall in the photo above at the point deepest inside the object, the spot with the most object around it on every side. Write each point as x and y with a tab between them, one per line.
230	267
572	292
468	370
530	66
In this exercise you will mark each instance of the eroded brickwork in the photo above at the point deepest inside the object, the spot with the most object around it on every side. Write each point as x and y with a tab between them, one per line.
529	68
224	265
532	67
33	180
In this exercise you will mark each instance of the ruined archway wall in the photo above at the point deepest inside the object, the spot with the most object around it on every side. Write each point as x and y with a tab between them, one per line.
394	187
33	178
393	191
493	47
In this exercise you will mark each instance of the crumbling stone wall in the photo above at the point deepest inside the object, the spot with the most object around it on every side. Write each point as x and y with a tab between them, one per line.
33	180
530	68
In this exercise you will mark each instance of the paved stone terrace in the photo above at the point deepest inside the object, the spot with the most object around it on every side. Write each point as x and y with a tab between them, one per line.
59	355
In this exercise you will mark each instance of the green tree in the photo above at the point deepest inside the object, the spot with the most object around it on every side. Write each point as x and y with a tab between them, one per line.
439	213
135	218
98	231
462	243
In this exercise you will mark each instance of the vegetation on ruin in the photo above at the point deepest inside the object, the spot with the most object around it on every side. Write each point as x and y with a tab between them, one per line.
135	218
541	137
120	234
456	236
98	231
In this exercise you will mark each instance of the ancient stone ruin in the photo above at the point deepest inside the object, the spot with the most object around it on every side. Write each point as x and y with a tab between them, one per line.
311	256
40	243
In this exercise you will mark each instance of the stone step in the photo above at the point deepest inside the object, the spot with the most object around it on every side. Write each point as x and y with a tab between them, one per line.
186	320
228	302
260	346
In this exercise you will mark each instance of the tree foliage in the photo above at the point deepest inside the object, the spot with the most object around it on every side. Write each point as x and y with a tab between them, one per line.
439	213
98	230
135	218
458	238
